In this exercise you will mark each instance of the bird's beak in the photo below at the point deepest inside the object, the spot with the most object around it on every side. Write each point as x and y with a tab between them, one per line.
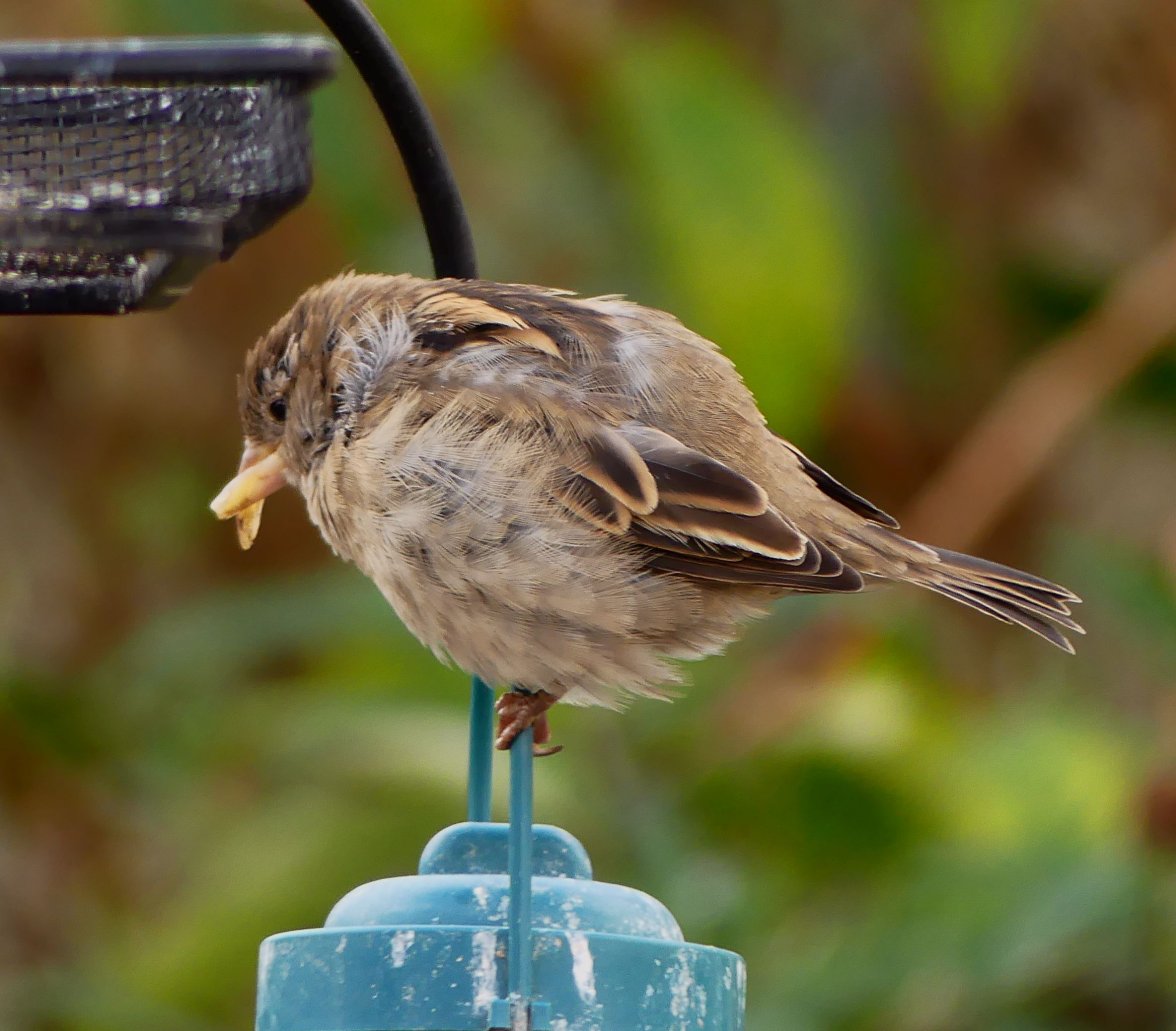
260	473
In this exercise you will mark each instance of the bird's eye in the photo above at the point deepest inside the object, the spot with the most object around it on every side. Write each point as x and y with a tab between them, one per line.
277	408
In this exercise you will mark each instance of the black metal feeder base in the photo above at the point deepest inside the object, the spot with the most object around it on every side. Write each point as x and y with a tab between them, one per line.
128	165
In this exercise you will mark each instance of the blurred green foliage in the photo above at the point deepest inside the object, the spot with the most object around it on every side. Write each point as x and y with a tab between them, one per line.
905	818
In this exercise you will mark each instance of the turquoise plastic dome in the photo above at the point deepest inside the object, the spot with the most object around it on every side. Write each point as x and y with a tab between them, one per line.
430	952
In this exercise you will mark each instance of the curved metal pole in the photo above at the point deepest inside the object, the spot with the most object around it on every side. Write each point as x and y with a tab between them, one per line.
442	211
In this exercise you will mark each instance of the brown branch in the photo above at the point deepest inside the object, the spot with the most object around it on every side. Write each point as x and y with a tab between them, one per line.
1054	393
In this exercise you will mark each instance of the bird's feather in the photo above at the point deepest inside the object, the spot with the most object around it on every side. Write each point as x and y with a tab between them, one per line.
769	534
839	492
593	503
613	464
685	476
848	580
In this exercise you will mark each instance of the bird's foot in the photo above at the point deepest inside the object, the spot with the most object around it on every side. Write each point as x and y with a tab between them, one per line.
517	711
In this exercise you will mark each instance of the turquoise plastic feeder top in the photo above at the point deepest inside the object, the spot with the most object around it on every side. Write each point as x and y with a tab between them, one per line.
430	953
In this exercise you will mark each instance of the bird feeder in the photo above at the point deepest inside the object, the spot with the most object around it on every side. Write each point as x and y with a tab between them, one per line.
126	167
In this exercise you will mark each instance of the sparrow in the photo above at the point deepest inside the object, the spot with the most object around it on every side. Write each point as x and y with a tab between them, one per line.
563	495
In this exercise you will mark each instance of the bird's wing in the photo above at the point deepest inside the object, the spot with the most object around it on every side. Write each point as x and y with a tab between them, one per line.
692	515
683	511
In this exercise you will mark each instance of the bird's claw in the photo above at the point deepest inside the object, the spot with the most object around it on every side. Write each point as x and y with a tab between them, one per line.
518	711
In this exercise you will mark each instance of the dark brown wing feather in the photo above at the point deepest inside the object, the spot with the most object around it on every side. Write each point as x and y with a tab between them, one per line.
614	465
839	492
818	560
769	534
688	477
847	580
595	504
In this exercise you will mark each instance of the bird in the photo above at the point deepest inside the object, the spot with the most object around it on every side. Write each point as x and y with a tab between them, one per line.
563	495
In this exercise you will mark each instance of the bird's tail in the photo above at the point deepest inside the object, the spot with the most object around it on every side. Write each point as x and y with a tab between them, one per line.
1002	592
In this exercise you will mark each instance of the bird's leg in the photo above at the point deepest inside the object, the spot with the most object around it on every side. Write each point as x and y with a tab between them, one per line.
518	710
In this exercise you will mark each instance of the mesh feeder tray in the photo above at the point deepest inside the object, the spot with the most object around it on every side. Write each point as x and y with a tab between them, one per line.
127	166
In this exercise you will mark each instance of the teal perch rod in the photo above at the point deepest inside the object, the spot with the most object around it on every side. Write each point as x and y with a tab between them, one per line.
481	751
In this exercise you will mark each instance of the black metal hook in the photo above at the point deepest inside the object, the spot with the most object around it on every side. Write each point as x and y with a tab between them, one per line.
450	241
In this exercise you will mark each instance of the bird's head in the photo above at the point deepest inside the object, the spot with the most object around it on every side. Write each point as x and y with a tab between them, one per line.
294	392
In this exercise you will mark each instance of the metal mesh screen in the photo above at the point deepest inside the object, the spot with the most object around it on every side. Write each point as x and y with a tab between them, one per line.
109	192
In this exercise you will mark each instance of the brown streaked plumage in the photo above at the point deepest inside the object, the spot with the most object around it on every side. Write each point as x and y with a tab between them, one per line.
562	494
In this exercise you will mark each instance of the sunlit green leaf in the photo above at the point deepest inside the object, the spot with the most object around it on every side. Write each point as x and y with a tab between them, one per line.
975	48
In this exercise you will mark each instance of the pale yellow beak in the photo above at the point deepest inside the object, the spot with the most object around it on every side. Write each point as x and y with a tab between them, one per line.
260	473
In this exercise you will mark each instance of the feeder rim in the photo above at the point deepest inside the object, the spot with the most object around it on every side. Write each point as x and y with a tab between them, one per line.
306	57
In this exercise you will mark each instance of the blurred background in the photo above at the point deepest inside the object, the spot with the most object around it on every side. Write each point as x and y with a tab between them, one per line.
939	239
